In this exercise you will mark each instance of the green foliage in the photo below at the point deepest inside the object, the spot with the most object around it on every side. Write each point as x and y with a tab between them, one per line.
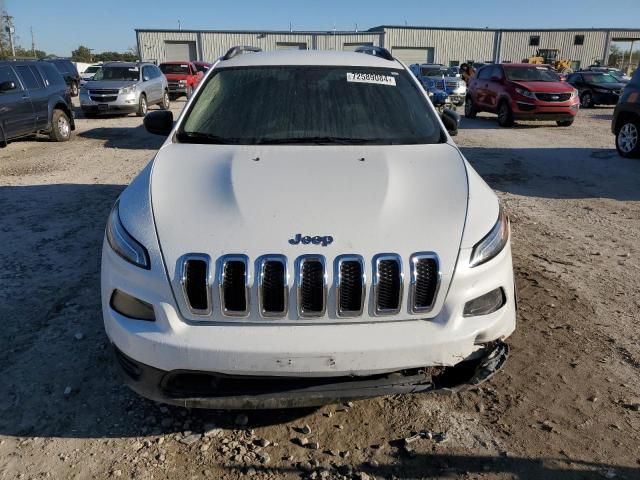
81	54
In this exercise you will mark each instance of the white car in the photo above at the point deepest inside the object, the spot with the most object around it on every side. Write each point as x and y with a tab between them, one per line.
308	233
89	73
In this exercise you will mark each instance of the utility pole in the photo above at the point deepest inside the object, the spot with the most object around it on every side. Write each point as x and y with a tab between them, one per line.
10	30
179	25
33	44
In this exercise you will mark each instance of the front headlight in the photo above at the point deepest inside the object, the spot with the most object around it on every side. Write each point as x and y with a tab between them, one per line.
493	243
124	244
574	94
126	90
182	82
525	93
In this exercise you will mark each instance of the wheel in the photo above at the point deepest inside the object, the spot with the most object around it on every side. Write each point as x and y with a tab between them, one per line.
189	92
60	126
74	89
564	123
142	106
469	108
627	142
505	115
165	101
586	101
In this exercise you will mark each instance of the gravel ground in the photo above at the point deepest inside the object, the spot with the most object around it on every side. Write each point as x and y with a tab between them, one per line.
566	406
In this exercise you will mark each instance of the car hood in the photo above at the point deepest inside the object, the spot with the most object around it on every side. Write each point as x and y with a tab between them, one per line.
219	199
177	76
546	87
446	78
108	84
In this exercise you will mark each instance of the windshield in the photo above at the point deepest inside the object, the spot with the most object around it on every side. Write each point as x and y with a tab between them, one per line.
175	68
202	68
531	74
92	70
601	78
312	105
433	72
118	73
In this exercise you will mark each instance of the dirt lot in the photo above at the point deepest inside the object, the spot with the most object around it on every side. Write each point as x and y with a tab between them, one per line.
566	405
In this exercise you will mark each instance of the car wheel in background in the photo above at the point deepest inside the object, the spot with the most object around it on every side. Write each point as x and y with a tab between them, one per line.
586	101
505	115
60	126
74	89
142	106
627	141
469	108
564	123
189	91
165	101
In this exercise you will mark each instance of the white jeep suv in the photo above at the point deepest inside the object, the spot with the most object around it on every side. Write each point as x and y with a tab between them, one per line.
308	233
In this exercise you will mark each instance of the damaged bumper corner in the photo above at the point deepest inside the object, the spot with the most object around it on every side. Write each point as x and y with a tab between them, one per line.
196	389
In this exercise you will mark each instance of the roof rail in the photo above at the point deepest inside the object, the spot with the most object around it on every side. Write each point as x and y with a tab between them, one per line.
375	51
234	51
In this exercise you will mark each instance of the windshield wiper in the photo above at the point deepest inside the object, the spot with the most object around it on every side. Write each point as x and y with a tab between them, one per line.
199	137
316	140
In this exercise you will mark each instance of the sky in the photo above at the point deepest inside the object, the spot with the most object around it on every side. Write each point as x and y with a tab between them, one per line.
59	26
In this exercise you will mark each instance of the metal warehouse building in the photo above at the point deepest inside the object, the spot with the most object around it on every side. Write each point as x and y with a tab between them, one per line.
449	46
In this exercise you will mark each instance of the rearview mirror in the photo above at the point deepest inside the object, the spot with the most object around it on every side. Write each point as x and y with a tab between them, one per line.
451	120
8	85
159	122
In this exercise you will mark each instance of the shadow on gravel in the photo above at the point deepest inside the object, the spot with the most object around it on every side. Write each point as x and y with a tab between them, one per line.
130	138
437	465
491	123
558	172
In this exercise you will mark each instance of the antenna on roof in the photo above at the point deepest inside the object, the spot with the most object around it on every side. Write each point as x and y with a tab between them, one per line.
356	27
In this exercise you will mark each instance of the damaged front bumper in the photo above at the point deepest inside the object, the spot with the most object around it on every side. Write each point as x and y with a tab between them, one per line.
196	389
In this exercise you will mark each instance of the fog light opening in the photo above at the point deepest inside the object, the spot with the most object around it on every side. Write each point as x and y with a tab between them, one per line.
131	307
485	304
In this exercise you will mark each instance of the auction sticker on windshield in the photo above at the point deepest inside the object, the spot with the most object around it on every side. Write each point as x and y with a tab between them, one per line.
371	78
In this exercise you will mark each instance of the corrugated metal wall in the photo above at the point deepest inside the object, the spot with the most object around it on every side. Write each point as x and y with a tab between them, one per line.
449	45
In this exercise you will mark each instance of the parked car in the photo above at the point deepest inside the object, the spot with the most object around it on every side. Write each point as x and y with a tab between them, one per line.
124	87
454	72
34	98
616	73
232	278
183	78
521	91
626	119
455	87
68	71
596	88
202	66
89	73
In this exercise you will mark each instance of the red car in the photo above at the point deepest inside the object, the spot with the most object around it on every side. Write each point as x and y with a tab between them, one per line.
183	77
521	91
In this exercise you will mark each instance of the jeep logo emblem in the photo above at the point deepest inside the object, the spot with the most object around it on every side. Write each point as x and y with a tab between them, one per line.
306	240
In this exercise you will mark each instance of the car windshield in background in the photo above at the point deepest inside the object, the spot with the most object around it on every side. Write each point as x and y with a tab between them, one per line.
118	73
310	105
174	68
92	69
531	74
599	78
434	72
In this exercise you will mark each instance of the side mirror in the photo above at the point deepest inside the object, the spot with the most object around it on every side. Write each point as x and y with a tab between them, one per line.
145	78
450	119
159	122
8	85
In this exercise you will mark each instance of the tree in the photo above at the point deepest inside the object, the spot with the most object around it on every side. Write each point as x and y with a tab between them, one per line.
81	54
615	55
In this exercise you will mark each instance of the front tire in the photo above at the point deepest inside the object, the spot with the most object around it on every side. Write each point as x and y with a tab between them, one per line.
586	101
60	126
189	92
564	123
165	101
470	110
505	115
142	106
627	141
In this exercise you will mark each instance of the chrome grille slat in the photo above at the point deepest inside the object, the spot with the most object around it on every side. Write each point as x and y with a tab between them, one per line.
388	282
311	286
350	286
233	283
425	281
273	286
195	280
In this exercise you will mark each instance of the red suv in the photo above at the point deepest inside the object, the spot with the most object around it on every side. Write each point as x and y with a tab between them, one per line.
521	91
183	78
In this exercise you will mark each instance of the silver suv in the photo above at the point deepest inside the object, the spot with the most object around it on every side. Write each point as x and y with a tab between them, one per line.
434	75
124	87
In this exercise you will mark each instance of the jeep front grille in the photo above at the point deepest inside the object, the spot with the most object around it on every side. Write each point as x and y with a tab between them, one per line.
350	286
388	280
312	286
425	280
273	286
196	283
233	281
